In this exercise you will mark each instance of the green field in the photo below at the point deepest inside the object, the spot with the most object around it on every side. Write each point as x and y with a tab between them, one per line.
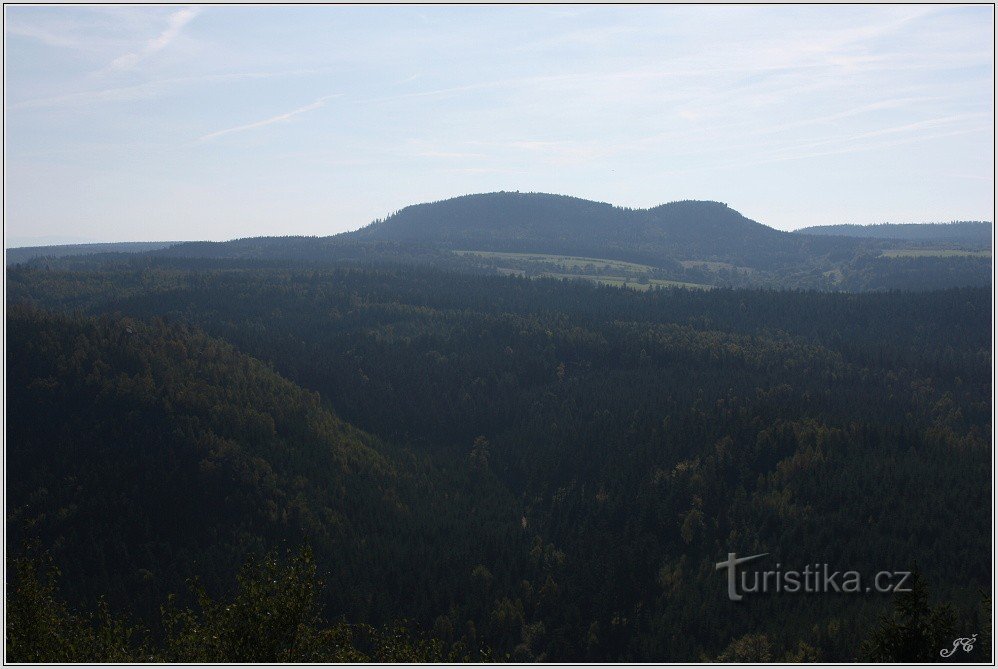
626	282
567	262
934	253
714	266
626	274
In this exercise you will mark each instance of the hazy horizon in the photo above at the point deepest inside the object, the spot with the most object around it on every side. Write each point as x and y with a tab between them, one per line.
214	123
27	242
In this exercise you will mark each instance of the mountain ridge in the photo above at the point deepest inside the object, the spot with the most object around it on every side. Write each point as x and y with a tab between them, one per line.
698	242
974	232
542	222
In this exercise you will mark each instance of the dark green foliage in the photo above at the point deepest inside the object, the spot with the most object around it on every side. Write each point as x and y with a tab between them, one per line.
913	630
273	616
41	628
870	272
146	450
749	648
549	469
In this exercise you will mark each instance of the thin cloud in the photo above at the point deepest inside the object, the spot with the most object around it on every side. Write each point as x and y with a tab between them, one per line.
149	89
448	155
894	130
40	34
175	24
855	148
882	145
267	121
972	177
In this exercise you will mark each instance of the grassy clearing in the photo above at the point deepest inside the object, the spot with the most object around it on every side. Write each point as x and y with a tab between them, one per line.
625	282
566	262
626	274
714	266
934	253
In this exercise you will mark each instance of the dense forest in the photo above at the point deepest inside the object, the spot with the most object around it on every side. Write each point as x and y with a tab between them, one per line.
506	467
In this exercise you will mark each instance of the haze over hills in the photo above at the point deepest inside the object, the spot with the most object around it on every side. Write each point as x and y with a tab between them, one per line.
977	233
694	242
19	254
544	223
690	242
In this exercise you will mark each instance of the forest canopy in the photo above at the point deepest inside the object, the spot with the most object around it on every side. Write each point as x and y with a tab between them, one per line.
540	469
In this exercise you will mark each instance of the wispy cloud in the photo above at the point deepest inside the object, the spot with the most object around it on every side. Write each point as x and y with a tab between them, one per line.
149	89
910	129
267	121
973	177
448	155
174	25
592	101
41	34
861	147
851	145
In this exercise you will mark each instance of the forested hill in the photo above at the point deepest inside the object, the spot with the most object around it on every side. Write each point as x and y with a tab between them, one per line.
544	223
976	233
149	453
693	243
26	253
182	450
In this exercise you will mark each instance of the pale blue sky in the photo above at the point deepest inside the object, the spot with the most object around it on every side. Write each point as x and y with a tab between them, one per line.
154	123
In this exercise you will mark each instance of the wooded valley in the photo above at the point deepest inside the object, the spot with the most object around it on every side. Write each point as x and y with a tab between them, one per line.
504	467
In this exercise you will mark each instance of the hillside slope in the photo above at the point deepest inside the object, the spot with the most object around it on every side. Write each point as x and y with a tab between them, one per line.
147	453
539	222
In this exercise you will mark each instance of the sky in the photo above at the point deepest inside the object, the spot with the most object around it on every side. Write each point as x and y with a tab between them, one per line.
218	122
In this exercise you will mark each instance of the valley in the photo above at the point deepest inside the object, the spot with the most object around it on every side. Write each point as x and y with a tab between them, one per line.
525	469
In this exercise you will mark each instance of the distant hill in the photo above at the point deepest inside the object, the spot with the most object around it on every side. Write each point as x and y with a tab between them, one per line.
544	223
977	233
27	253
685	243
